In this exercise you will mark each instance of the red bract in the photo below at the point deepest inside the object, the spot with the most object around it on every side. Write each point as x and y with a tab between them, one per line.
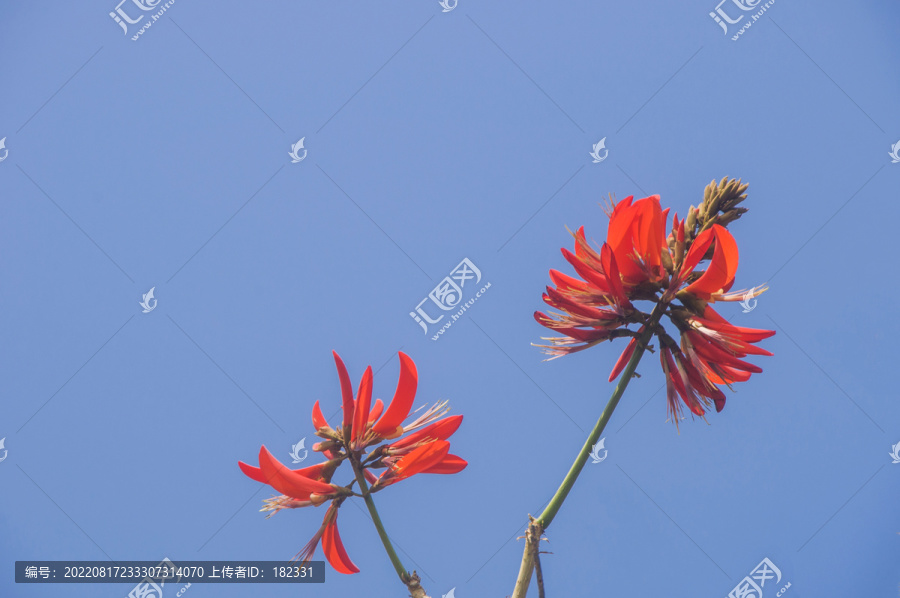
639	262
360	440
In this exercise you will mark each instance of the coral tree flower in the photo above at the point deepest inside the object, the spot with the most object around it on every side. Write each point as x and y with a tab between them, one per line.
370	437
640	262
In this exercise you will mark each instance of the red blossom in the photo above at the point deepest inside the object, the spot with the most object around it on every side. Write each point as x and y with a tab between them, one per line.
639	262
360	440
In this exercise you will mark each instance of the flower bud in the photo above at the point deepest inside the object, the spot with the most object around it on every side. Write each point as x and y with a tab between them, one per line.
317	499
320	447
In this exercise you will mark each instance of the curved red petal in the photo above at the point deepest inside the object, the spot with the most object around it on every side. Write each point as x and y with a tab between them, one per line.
712	320
610	266
254	473
346	390
696	253
399	407
713	352
623	358
650	236
363	401
318	419
584	251
439	430
566	282
288	482
334	550
591	275
450	464
420	459
722	267
376	410
556	299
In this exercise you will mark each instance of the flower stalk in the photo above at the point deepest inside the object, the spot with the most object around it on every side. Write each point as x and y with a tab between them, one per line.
543	521
639	262
379	526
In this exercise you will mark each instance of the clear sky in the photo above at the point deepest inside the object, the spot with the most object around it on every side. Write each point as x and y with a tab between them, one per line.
432	137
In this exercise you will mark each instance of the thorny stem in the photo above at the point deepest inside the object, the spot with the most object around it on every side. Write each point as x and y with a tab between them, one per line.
534	538
411	581
543	521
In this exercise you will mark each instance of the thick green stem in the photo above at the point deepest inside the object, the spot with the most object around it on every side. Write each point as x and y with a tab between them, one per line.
543	521
376	519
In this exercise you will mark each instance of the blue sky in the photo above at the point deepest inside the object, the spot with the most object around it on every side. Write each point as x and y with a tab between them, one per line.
432	137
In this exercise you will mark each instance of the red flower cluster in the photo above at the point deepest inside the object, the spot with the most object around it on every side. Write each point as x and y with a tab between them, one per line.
639	262
364	425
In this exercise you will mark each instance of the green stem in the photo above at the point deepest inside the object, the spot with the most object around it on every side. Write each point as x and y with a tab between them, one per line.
543	521
376	519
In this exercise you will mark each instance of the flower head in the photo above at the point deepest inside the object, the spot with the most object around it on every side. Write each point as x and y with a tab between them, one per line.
370	437
640	262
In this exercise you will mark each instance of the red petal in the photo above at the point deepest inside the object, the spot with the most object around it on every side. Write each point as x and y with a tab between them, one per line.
450	464
334	550
623	358
598	279
254	473
725	375
376	410
749	349
695	253
439	430
346	390
610	266
363	401
565	282
723	266
714	353
318	419
289	482
584	251
636	231
402	402
419	459
650	235
712	320
556	299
